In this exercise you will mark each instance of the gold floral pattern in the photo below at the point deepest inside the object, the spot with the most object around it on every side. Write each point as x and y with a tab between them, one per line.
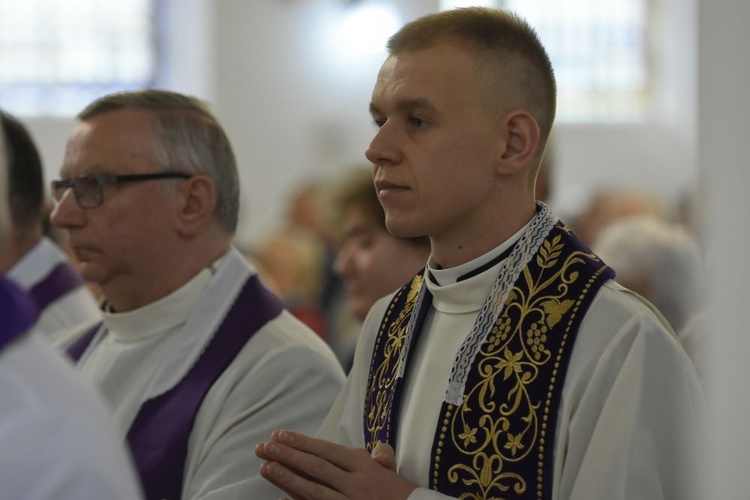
505	415
496	442
383	374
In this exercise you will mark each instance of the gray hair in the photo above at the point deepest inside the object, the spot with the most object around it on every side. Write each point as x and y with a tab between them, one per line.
662	258
192	141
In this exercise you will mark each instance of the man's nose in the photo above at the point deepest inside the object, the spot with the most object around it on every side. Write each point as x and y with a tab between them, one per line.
66	211
383	149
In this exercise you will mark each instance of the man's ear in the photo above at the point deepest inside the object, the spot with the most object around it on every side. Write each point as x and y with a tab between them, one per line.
197	203
521	142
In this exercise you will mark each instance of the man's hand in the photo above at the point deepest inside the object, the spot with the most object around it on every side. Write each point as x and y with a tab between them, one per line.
309	468
384	455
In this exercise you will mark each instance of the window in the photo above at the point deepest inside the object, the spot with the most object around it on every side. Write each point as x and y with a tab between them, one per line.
601	52
56	56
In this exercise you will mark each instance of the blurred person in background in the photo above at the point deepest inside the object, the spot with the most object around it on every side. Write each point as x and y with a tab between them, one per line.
57	439
372	262
28	257
606	206
306	211
290	259
663	262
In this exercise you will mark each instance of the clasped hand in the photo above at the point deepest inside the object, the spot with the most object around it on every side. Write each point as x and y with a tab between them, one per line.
309	468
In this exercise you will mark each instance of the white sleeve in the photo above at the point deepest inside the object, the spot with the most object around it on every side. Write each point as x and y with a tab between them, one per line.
632	422
343	424
291	387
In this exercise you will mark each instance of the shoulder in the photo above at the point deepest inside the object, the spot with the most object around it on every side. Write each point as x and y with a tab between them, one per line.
47	406
285	349
619	331
74	310
38	379
617	309
286	333
78	460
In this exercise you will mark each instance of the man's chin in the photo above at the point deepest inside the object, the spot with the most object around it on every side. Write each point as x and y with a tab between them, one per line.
401	229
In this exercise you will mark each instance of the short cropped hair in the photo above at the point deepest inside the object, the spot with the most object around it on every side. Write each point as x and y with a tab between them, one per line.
503	44
356	191
191	141
25	174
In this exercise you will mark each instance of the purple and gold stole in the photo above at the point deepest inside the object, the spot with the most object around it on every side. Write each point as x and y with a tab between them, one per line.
496	431
159	434
17	312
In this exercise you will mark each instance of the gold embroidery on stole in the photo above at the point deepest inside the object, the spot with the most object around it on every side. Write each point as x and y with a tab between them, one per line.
380	393
500	421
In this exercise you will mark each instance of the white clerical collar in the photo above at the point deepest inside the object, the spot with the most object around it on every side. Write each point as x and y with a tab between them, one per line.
453	274
165	314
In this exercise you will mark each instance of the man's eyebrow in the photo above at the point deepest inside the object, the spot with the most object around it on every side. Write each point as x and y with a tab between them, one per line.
96	169
407	105
416	103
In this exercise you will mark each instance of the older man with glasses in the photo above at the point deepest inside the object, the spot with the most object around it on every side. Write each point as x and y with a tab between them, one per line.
196	358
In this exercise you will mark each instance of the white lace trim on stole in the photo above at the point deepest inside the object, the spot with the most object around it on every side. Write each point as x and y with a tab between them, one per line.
510	270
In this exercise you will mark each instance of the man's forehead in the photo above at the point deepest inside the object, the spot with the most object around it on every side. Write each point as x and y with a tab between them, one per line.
110	141
69	170
404	90
114	124
414	73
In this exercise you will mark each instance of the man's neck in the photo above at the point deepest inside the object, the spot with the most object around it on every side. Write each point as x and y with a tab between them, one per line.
455	251
128	293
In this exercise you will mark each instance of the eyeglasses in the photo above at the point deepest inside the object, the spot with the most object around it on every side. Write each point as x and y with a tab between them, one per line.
89	189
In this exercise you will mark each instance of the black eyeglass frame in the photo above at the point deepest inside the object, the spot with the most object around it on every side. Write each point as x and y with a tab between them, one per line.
59	187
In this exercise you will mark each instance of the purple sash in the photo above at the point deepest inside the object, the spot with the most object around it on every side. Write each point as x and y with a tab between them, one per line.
17	312
159	435
76	350
63	279
498	442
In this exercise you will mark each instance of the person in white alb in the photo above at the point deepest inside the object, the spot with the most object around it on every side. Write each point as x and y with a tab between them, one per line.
512	366
57	439
27	257
196	358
